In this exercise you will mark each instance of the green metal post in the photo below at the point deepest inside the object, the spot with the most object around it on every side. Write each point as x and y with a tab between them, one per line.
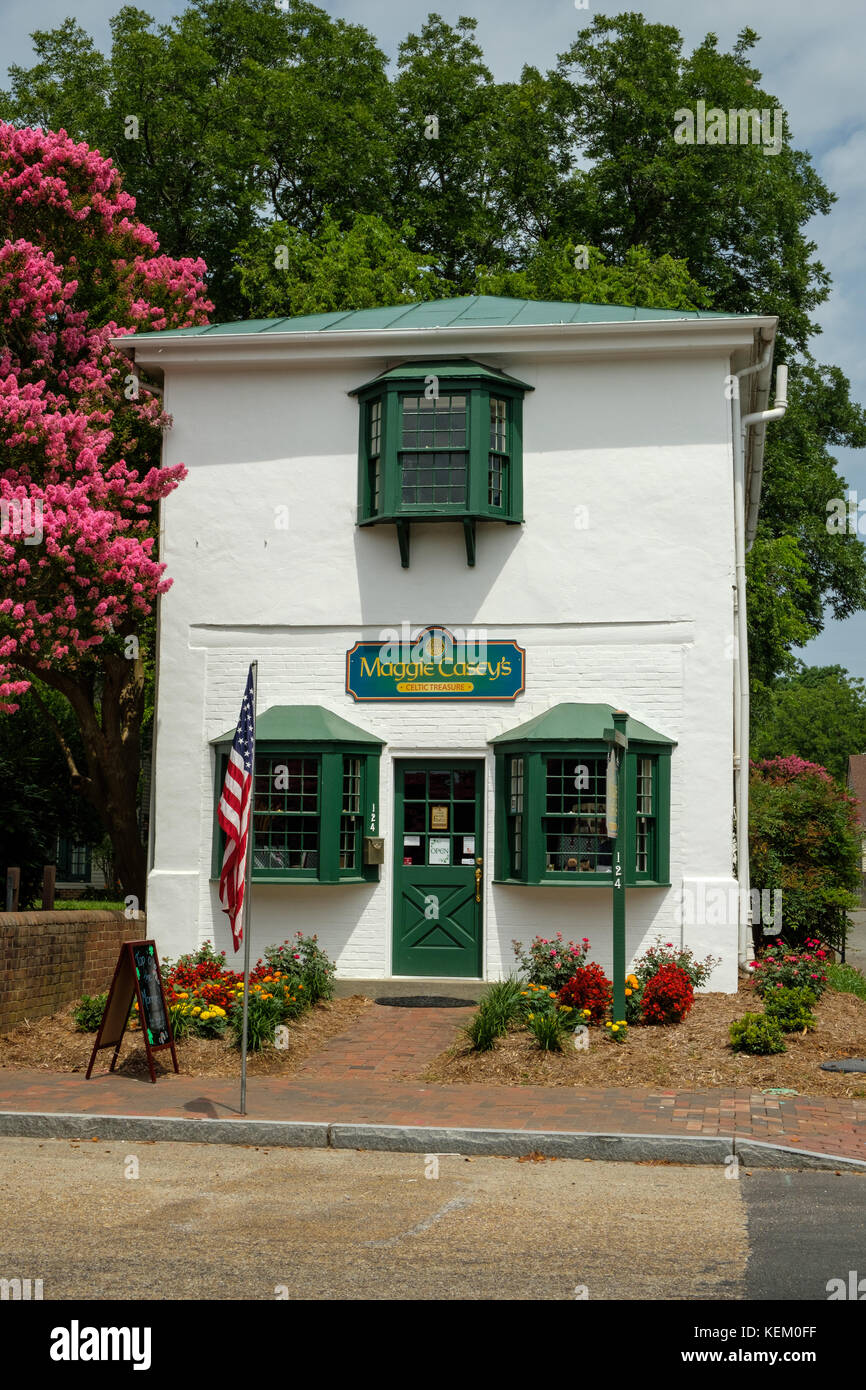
619	720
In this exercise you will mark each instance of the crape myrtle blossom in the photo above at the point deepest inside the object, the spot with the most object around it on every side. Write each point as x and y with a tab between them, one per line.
77	269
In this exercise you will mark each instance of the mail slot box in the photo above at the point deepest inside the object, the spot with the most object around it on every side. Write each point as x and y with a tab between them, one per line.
374	849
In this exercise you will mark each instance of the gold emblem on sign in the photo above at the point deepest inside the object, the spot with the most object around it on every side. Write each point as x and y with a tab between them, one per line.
438	817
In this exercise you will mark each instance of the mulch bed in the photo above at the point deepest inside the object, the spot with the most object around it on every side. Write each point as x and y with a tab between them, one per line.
54	1044
692	1055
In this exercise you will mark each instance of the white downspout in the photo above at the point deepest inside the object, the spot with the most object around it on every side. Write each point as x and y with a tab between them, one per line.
741	694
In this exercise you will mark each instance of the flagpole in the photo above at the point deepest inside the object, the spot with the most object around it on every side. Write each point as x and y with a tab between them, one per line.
248	899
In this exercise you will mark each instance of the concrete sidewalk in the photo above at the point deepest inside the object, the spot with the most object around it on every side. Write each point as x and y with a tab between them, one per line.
357	1092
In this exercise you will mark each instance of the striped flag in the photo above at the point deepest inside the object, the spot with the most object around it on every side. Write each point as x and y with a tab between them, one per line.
234	815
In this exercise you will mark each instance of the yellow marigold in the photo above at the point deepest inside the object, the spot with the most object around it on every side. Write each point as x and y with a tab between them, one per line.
631	980
628	991
197	1011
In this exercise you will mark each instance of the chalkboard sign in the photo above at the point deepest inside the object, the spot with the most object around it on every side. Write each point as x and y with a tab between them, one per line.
136	976
154	1019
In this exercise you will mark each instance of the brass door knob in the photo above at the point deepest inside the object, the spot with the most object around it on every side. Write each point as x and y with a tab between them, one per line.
478	862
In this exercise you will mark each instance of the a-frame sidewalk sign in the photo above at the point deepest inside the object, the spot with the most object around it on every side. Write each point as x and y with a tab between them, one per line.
136	976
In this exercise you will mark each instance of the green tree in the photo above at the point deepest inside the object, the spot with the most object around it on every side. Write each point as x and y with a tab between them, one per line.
251	114
556	272
285	271
804	840
738	219
817	713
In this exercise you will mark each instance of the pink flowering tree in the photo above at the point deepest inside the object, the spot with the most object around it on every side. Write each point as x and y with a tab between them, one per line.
804	840
80	448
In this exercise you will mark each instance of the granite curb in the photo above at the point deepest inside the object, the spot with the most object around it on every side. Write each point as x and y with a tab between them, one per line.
712	1150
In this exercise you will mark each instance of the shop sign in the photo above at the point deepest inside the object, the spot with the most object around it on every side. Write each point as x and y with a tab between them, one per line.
436	664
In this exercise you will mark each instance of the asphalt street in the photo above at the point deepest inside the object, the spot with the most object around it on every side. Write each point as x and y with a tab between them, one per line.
93	1220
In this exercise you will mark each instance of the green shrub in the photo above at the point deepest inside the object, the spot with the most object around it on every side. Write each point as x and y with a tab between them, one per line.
792	969
550	962
263	1018
791	1008
846	979
550	1025
652	960
758	1034
88	1012
181	1020
482	1030
303	957
804	839
503	1002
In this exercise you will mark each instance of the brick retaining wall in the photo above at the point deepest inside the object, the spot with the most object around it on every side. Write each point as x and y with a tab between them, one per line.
48	959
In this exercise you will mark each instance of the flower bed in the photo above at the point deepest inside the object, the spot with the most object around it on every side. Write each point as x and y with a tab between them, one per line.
544	1031
693	1055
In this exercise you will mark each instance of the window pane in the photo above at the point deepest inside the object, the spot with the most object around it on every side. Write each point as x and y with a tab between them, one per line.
575	821
438	422
351	786
440	785
422	474
348	842
498	425
464	785
497	473
375	426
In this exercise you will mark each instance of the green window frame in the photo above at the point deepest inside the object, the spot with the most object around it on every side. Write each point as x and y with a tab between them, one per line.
314	805
440	441
74	861
550	830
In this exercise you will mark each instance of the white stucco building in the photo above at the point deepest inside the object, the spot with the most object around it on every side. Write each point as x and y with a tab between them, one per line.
455	537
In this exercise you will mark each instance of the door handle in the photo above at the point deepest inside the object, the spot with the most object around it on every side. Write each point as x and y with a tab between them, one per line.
478	863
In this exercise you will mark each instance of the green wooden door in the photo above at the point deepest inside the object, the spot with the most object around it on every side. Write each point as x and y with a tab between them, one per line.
437	847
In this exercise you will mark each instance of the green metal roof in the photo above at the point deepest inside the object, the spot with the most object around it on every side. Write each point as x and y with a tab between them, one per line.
470	311
446	368
573	723
304	724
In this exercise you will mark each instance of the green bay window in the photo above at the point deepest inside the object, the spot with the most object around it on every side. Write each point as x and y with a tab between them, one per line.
440	441
315	797
551	776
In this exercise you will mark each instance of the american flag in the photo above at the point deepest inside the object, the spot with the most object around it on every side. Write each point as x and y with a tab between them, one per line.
234	815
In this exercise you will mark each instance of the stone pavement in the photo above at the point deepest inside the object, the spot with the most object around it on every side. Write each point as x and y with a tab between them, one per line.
362	1077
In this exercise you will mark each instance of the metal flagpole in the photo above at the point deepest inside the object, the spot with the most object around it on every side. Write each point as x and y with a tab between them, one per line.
248	898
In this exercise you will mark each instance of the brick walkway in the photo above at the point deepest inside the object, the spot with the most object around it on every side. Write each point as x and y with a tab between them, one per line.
358	1078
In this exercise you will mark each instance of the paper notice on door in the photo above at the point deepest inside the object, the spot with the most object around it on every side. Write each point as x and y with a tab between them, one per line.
440	851
468	844
409	840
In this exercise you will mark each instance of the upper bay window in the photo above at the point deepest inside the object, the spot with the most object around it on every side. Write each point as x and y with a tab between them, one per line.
440	441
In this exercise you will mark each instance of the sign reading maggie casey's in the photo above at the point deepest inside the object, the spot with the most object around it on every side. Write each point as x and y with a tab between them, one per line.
435	664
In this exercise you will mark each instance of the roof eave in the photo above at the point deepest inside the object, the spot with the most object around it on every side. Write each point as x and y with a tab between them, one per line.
558	339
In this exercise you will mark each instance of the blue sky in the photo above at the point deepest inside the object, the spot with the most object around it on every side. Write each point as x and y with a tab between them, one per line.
811	59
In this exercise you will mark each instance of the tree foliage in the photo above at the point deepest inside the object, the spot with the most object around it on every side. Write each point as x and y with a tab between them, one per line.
817	713
80	449
804	840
